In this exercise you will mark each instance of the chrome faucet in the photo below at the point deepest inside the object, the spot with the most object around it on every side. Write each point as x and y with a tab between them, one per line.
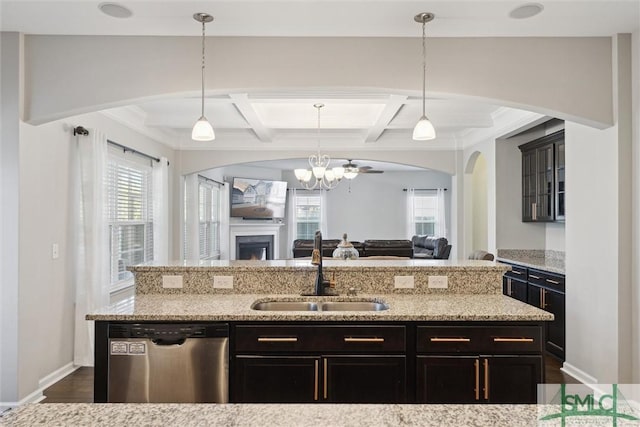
316	259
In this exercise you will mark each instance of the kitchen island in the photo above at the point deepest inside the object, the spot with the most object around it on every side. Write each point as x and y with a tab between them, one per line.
463	342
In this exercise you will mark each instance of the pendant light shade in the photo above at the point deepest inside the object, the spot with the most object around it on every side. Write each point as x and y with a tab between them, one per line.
202	130
424	130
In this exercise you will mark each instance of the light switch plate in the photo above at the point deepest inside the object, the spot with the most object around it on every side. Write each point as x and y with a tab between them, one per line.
172	282
438	282
404	282
223	282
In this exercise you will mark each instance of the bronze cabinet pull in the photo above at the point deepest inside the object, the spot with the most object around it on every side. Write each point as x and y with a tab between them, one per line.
544	298
326	392
277	339
315	382
438	339
486	379
500	339
356	339
517	272
553	281
509	286
476	364
535	277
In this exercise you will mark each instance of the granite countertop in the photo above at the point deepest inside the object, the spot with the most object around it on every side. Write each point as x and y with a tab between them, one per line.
237	307
259	415
548	260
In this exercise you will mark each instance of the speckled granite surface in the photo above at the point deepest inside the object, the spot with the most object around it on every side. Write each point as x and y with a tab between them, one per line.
208	307
259	415
552	261
297	276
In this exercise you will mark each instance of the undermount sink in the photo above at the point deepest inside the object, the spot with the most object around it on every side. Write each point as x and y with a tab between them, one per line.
354	306
285	306
319	306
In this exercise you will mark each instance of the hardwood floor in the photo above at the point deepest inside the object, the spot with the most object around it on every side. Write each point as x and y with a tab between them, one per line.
78	386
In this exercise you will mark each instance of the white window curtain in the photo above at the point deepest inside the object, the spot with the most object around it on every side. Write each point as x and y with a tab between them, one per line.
191	247
292	220
91	239
441	218
160	176
224	221
323	214
411	219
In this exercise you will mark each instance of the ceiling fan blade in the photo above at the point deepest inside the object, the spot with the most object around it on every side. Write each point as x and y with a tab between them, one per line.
371	171
365	167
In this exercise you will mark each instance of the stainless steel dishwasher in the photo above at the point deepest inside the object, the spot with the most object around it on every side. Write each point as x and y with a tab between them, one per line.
169	363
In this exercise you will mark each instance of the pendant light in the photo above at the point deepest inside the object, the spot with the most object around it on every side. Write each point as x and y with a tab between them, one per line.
202	130
424	130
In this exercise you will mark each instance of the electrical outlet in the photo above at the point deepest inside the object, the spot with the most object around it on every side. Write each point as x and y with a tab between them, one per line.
55	251
223	282
438	282
172	282
404	282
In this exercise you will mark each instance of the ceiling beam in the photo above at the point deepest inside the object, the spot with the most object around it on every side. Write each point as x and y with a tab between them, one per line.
241	101
394	104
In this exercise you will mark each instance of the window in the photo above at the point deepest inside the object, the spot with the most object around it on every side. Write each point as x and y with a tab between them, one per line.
425	212
308	212
130	216
209	218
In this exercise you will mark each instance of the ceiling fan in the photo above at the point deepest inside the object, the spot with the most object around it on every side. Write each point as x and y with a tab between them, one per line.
353	169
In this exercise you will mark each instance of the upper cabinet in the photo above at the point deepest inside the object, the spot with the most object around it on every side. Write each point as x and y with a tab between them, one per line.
543	179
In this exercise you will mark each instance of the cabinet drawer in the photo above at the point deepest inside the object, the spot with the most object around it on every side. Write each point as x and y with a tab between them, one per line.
479	339
276	338
546	279
517	272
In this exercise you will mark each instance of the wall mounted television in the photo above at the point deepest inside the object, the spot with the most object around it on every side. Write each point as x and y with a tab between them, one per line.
258	198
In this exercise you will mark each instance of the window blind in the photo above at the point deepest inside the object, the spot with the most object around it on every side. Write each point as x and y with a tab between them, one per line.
209	219
129	215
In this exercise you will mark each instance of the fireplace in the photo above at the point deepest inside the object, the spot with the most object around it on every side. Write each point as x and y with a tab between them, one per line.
254	247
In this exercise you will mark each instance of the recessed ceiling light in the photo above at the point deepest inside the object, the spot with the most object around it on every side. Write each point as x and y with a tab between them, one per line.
115	10
526	11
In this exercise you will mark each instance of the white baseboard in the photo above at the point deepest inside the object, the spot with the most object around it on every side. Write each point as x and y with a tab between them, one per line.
578	374
44	383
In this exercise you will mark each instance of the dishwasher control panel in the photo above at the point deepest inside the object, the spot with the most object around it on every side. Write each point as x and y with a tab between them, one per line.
168	331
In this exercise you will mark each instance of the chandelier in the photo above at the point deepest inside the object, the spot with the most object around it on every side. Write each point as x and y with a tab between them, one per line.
324	178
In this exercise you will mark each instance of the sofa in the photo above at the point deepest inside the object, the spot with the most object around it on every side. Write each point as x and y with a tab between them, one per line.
430	247
391	248
481	255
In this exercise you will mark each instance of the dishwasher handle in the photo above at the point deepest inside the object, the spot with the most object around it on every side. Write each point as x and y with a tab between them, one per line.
166	342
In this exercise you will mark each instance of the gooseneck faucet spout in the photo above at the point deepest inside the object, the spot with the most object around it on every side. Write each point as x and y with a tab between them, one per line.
316	259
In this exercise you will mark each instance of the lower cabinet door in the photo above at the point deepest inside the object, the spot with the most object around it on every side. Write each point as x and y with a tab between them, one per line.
555	303
276	379
511	379
364	379
448	379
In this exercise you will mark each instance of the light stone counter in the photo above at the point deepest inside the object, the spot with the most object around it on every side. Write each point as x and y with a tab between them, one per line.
552	261
374	276
260	415
237	307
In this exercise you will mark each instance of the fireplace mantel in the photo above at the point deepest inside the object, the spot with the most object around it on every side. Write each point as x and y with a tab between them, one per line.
250	229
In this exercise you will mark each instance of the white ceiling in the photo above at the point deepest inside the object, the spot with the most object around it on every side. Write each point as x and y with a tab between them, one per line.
284	121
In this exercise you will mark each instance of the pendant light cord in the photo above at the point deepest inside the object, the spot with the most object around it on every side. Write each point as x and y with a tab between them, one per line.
424	67
202	97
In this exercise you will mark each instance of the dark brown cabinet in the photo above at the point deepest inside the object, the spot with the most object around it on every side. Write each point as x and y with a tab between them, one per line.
544	290
478	379
314	363
542	169
478	364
